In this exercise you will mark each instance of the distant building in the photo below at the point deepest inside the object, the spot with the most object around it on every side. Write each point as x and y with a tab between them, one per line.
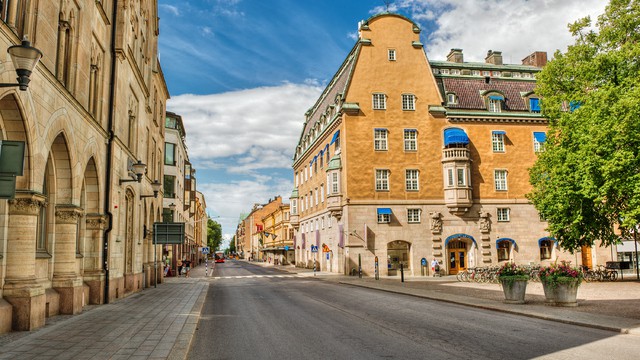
250	230
404	159
278	236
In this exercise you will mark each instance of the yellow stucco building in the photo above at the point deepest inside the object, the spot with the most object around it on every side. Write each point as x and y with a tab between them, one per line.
406	160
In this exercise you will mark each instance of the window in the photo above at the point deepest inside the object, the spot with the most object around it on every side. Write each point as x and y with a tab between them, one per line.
496	73
495	104
169	186
486	73
408	102
41	230
170	123
334	183
444	71
462	181
515	75
412	180
503	248
317	202
379	101
413	216
538	141
545	249
167	215
322	223
384	218
311	196
169	154
452	98
455	71
475	72
497	141
500	180
410	140
294	207
450	177
382	180
321	192
503	214
380	139
392	55
534	105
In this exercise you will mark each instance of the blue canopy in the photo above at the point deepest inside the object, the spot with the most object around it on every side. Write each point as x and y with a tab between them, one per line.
540	136
335	137
455	136
384	211
534	104
499	132
513	242
496	97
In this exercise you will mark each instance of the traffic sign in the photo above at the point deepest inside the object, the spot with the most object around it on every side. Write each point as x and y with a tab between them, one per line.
286	248
205	250
314	248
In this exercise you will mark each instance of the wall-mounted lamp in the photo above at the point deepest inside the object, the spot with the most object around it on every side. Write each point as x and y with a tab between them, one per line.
155	186
24	58
138	168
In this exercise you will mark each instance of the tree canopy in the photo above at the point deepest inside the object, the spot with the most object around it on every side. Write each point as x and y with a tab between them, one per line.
586	183
214	234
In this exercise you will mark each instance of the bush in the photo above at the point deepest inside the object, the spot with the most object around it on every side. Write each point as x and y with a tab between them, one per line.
511	269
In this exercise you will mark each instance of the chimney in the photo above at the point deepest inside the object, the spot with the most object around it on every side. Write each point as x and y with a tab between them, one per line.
537	59
494	57
455	55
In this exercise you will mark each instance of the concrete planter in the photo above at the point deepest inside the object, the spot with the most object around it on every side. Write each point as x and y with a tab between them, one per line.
562	292
514	288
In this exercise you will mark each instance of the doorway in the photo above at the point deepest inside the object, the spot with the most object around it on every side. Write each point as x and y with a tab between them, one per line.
457	254
397	254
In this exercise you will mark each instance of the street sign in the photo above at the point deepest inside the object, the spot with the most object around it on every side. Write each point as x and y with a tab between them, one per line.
205	250
314	248
423	262
168	233
286	248
328	254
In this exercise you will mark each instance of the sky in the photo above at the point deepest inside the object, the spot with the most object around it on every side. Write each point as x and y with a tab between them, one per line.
242	73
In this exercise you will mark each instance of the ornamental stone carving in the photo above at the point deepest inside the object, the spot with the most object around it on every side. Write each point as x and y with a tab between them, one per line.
27	205
436	222
68	214
485	222
96	221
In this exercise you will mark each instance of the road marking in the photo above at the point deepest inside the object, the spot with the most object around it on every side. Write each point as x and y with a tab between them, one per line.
254	276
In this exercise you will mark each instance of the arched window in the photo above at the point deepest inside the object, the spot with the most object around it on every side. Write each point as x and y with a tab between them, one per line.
503	249
546	246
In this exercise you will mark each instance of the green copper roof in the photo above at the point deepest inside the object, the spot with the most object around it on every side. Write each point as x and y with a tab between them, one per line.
294	194
335	163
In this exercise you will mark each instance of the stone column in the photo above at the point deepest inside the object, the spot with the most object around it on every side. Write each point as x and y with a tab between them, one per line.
21	290
66	280
93	273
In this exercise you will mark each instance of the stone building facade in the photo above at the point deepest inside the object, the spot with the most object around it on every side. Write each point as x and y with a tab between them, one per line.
77	231
250	230
404	160
277	237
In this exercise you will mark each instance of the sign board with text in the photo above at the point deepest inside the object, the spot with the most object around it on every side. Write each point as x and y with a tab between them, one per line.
168	233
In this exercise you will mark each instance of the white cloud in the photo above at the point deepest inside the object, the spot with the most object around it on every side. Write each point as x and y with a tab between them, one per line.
259	127
170	8
515	27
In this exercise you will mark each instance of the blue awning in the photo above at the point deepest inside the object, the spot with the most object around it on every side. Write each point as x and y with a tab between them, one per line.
540	136
499	132
496	97
335	137
513	242
534	104
384	211
455	136
547	238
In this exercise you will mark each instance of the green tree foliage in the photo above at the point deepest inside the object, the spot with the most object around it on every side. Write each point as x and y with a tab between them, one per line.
214	234
587	181
232	245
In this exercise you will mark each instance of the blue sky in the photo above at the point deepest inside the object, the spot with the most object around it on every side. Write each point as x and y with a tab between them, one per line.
242	73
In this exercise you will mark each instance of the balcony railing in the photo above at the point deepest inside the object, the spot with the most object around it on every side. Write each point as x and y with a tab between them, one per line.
454	154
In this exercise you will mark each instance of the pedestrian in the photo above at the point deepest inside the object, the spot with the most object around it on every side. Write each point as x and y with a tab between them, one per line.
179	268
187	267
434	266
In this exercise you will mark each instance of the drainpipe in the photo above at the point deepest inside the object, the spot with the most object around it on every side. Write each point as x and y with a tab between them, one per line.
110	145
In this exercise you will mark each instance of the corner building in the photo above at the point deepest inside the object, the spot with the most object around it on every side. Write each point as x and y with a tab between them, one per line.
406	160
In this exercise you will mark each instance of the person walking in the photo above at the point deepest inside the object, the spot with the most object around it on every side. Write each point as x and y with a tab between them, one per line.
187	266
179	268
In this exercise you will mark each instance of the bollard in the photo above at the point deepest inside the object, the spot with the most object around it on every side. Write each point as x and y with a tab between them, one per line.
359	266
377	270
401	273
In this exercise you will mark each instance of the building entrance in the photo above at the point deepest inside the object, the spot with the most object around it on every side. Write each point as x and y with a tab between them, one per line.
397	253
457	254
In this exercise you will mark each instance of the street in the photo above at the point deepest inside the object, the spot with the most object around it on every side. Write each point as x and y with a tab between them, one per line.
256	312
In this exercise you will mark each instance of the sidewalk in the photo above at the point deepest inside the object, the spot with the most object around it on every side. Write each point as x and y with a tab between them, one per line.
613	306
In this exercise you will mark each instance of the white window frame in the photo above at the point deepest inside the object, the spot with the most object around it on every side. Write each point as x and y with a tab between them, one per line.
452	99
408	102
497	142
379	101
391	54
503	214
410	140
412	180
500	180
461	177
444	71
413	216
294	207
495	105
380	139
384	218
335	185
450	178
382	179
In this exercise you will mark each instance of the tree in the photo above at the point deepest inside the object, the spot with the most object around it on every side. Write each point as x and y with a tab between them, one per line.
232	245
586	183
214	234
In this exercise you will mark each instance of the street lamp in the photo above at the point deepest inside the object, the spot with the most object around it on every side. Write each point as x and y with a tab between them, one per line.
155	186
24	58
138	169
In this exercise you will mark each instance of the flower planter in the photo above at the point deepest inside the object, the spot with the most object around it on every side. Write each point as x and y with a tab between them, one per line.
514	288
562	291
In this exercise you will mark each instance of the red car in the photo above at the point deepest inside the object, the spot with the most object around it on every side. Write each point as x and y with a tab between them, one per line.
219	260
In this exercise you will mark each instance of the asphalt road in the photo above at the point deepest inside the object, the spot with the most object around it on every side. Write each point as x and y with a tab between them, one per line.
251	313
